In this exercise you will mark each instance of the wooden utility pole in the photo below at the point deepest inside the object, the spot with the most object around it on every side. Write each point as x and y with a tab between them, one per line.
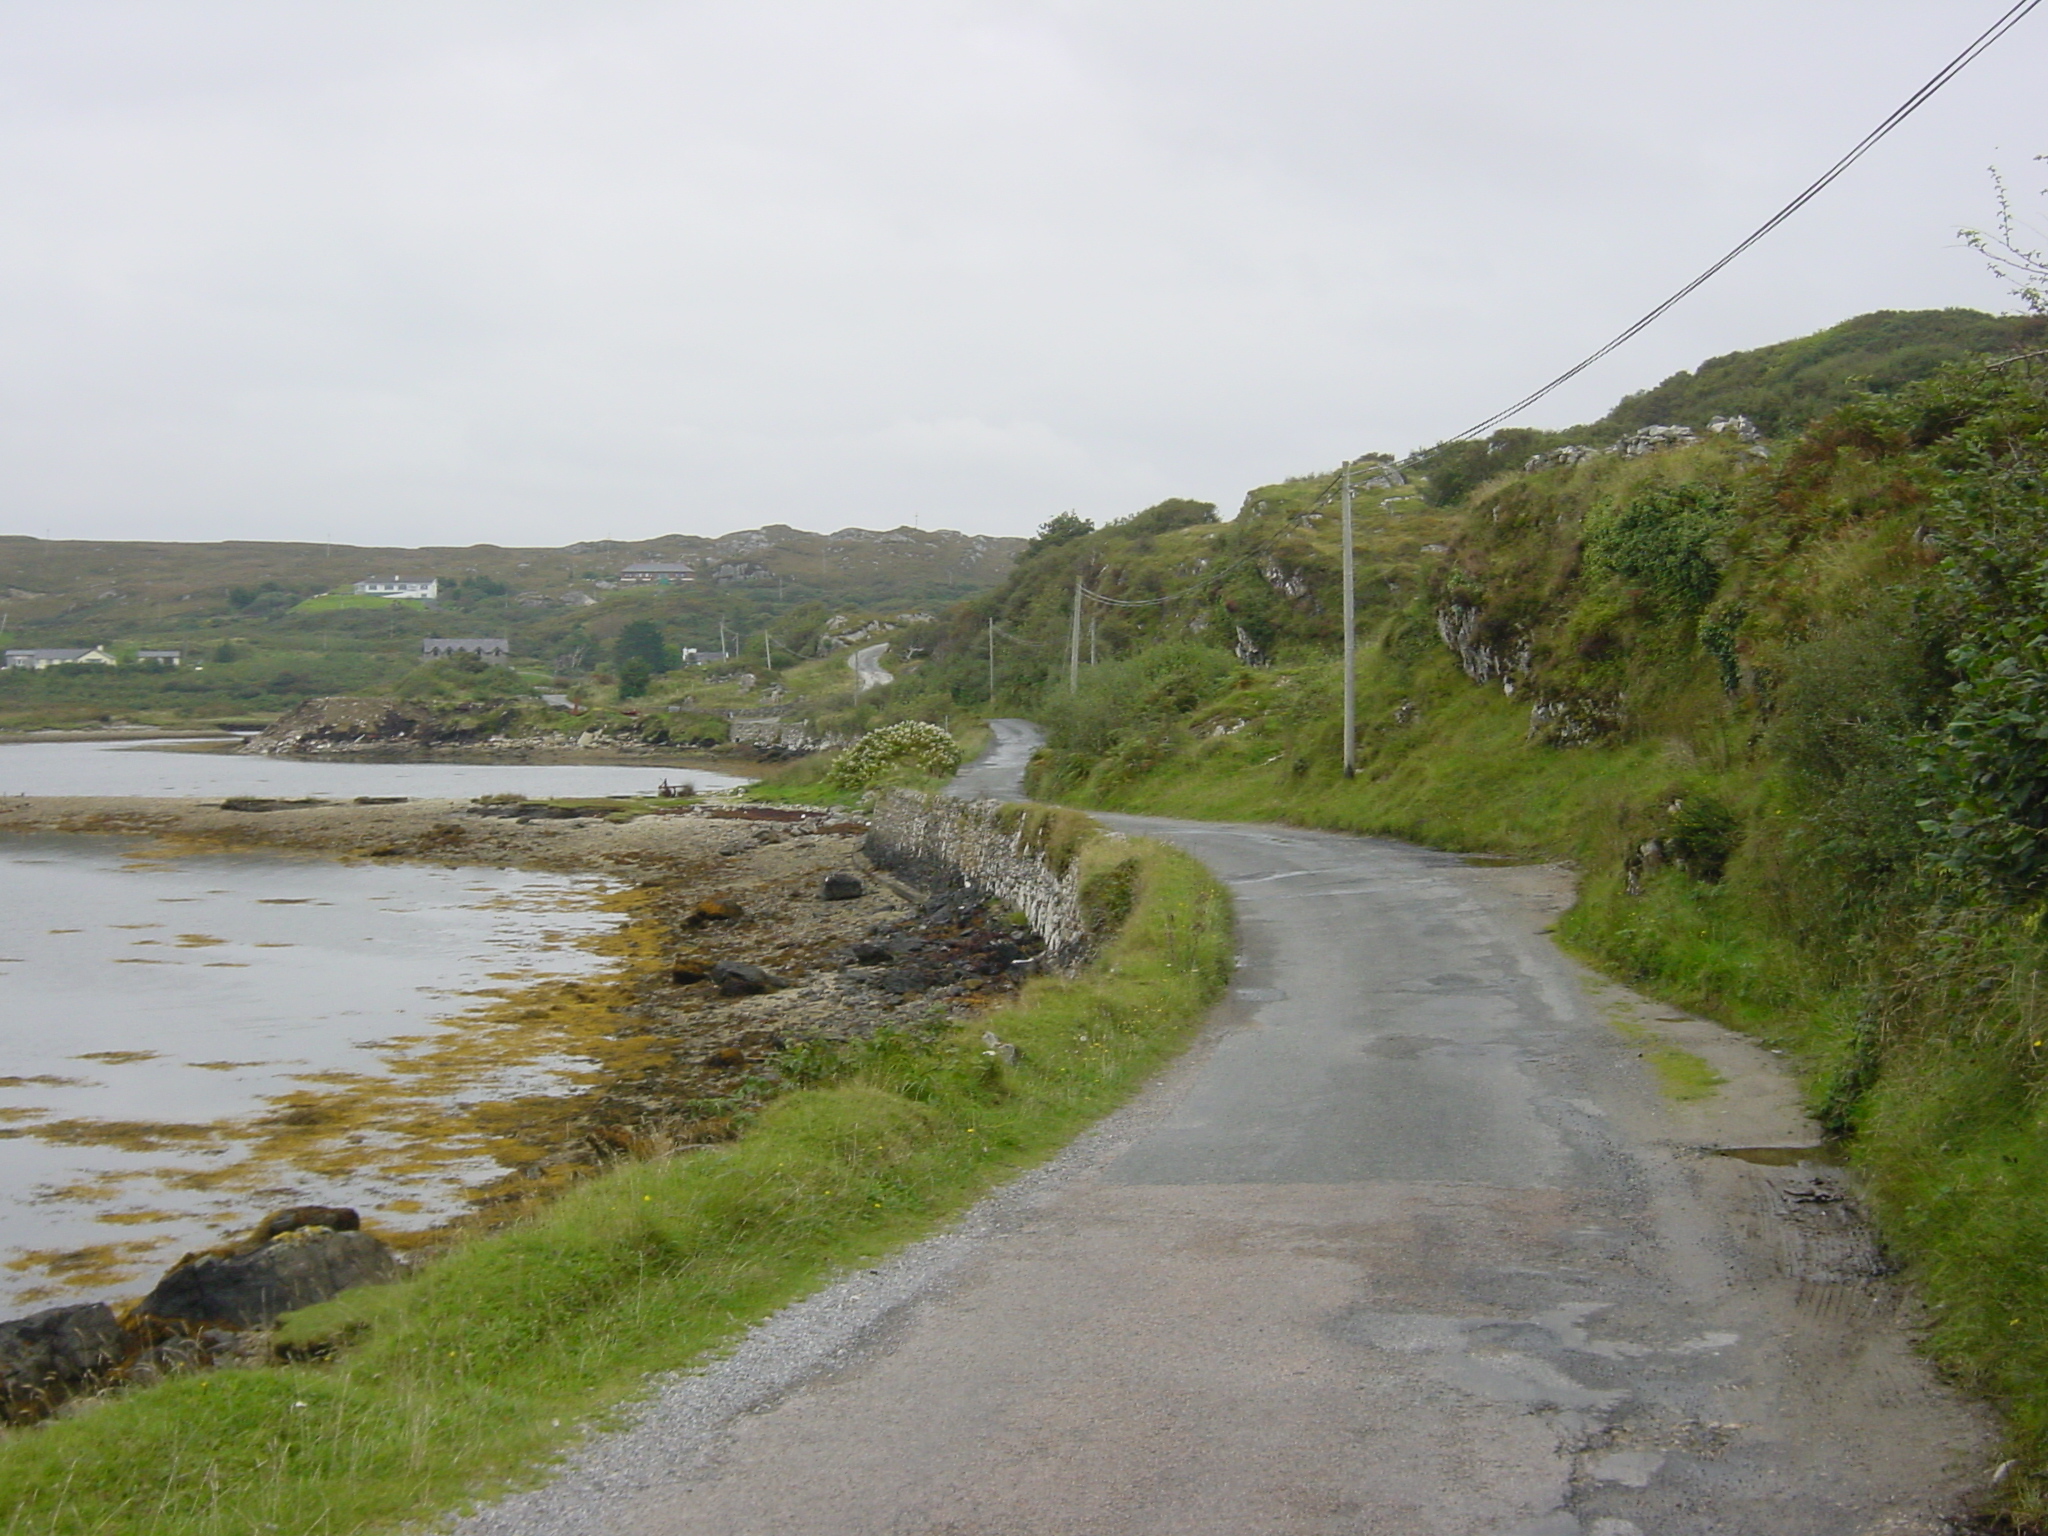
1074	643
1350	638
991	661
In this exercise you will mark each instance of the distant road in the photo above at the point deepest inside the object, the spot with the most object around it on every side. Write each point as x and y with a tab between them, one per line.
867	668
998	774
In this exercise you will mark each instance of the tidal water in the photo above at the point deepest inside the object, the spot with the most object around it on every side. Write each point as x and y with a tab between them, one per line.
126	768
187	1042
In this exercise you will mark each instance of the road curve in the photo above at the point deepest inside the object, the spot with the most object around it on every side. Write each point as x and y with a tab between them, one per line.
1409	1244
867	667
998	774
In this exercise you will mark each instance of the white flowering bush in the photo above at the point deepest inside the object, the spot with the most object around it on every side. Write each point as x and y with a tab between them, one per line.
911	744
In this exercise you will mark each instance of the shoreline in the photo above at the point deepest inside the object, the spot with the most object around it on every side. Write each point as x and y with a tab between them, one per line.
675	1063
732	765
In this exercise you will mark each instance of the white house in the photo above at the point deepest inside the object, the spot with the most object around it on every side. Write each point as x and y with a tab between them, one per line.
656	573
167	658
70	656
400	590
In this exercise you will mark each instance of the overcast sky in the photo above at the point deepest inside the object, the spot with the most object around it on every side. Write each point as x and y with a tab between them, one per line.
429	271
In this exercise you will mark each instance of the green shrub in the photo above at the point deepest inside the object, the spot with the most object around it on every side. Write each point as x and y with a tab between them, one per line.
1660	541
912	745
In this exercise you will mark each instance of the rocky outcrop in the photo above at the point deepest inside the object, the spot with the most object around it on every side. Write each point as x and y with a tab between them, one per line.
1487	651
326	725
1646	440
1285	580
253	1288
773	733
1568	455
1576	720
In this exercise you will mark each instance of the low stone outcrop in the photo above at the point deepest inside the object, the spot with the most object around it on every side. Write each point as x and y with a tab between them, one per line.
49	1356
738	978
252	1289
1487	652
1568	455
1653	440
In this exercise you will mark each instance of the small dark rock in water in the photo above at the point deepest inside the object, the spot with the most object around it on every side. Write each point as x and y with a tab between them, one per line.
259	803
252	1290
715	909
381	799
685	969
336	1218
47	1356
841	885
726	1056
736	978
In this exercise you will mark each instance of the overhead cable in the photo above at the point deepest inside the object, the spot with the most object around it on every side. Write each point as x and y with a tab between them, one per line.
1984	40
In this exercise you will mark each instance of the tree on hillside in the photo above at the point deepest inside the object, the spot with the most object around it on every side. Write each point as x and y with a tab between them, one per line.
641	641
1063	529
1174	512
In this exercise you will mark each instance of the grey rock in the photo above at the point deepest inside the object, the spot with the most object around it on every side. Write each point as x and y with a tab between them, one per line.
1568	455
47	1356
254	1289
842	885
1742	427
736	978
1652	440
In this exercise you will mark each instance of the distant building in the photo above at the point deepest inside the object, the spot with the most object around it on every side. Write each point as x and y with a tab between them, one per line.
32	660
656	573
692	657
495	649
163	658
399	590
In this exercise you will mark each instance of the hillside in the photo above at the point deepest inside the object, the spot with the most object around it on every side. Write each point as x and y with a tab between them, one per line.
1783	704
260	636
1778	388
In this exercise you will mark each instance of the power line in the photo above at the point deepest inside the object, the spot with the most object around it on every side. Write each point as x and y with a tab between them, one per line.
1984	40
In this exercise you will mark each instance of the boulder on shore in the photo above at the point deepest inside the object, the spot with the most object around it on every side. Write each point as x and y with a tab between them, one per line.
47	1356
253	1289
736	978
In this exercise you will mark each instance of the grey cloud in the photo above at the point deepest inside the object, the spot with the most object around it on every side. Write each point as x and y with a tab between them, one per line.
525	272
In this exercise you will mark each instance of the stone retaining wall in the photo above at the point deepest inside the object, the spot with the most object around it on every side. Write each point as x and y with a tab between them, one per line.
964	845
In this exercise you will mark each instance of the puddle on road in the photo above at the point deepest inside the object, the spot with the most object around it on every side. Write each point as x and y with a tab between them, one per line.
1828	1154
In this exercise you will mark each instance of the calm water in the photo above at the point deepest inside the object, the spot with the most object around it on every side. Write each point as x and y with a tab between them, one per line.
189	1042
123	768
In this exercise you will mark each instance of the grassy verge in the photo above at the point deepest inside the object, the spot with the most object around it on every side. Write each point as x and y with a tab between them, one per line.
458	1381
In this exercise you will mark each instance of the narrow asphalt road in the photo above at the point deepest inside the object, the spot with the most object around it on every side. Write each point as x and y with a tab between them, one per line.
867	667
1409	1244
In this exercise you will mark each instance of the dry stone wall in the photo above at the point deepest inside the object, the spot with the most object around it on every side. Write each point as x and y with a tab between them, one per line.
969	845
